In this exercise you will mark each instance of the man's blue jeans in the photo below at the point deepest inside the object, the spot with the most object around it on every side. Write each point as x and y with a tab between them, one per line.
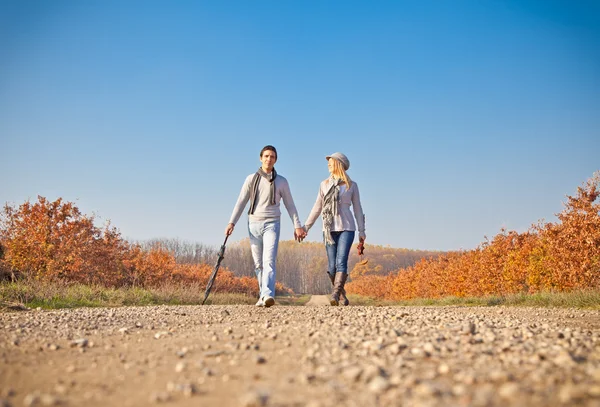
264	240
338	252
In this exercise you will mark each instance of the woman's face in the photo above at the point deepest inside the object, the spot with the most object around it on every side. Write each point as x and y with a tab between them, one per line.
330	165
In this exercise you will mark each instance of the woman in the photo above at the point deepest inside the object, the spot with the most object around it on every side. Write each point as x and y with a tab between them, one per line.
335	196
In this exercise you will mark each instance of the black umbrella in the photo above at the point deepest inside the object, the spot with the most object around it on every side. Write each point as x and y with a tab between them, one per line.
211	280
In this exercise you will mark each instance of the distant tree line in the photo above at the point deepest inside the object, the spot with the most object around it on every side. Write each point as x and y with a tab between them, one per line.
54	241
300	266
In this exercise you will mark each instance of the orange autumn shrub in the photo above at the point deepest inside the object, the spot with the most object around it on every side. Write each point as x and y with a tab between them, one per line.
282	289
370	285
5	272
568	254
52	241
559	256
149	268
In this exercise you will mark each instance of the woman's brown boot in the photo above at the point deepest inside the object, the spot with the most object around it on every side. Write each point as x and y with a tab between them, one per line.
338	286
343	297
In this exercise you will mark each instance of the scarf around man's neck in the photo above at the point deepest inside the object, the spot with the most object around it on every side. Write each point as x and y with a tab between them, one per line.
330	207
254	187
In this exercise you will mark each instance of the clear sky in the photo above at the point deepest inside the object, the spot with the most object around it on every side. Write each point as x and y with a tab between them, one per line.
458	117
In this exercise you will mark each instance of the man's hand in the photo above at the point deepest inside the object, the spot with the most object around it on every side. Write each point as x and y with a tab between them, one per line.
229	229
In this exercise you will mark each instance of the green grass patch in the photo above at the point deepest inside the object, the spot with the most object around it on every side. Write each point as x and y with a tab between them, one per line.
584	299
368	301
576	299
294	300
34	294
228	299
60	302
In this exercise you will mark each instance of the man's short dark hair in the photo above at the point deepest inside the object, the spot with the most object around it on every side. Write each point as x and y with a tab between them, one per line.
269	147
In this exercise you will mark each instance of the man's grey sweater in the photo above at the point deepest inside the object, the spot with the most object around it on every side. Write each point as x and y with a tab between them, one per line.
264	210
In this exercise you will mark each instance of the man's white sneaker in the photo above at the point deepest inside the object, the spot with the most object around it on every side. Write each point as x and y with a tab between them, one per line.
269	301
260	303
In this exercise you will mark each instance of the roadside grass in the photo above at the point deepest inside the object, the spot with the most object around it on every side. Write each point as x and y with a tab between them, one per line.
56	295
369	301
298	300
34	294
585	299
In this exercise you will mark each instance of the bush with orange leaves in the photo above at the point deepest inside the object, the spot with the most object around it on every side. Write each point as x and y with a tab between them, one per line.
54	240
51	241
371	285
560	256
567	255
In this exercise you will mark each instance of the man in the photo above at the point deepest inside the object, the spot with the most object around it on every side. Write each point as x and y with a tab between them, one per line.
265	189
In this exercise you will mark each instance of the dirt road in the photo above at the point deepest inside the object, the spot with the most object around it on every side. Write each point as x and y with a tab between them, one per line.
242	355
318	300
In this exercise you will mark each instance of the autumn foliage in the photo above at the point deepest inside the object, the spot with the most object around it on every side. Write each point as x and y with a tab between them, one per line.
53	241
561	256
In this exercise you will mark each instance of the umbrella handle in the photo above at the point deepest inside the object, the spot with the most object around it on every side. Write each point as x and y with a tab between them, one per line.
222	250
211	280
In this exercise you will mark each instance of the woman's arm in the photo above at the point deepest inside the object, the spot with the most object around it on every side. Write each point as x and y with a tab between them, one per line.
358	212
316	210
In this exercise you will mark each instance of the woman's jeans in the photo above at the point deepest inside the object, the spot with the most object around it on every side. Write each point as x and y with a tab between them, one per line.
264	240
338	252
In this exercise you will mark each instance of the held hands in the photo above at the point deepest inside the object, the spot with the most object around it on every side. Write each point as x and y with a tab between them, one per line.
300	234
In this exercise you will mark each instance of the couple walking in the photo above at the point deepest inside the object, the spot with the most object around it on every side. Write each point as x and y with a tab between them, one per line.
266	188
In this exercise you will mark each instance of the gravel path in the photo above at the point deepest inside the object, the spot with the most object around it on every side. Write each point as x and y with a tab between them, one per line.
317	300
300	356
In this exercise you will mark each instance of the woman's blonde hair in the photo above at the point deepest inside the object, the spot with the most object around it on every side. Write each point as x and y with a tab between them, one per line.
340	172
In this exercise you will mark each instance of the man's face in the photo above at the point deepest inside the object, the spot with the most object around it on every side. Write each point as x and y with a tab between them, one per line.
268	159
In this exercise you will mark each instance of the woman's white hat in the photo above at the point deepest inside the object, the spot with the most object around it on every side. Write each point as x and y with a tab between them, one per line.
341	158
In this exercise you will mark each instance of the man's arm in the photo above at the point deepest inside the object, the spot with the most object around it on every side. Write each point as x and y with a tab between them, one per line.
243	199
288	201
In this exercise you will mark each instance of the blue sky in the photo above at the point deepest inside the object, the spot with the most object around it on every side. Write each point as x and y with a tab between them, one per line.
459	118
